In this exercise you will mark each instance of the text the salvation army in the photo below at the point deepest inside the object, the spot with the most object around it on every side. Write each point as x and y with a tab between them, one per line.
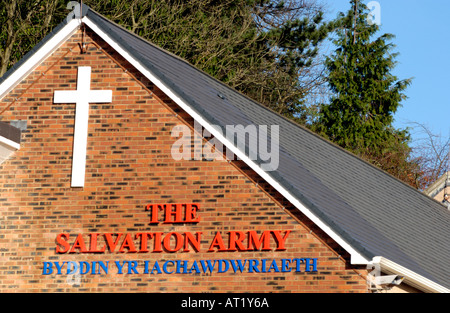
145	242
174	241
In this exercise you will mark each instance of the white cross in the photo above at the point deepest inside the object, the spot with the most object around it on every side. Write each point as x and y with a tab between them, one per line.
82	97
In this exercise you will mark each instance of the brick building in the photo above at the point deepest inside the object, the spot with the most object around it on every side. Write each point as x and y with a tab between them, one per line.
93	198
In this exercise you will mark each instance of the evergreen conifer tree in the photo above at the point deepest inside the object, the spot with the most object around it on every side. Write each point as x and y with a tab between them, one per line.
365	95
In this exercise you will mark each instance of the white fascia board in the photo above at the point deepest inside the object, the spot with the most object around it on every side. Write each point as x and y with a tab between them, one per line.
356	257
11	145
411	278
38	57
7	148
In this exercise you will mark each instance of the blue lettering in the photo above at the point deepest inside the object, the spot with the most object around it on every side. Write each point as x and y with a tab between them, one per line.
195	265
119	267
239	264
313	265
146	267
71	270
184	266
165	267
103	266
274	266
210	266
285	265
298	263
263	266
132	267
58	267
253	267
84	270
156	267
227	266
47	269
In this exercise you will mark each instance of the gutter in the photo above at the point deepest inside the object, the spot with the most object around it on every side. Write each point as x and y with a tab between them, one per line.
410	278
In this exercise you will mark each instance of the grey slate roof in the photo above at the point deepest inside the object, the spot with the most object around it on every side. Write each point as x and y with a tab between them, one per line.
376	213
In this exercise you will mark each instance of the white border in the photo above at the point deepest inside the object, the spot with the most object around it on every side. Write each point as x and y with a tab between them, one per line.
59	38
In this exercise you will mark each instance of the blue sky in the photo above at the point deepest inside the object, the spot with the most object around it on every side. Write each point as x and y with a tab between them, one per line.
423	43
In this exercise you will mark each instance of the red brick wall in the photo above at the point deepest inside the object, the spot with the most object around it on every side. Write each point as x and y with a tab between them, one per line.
129	165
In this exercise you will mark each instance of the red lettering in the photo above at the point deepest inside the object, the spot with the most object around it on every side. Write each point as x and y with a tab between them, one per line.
191	210
128	244
173	213
79	244
61	242
93	244
178	242
195	242
236	241
157	237
144	245
280	240
174	241
112	244
217	242
256	243
154	209
177	213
